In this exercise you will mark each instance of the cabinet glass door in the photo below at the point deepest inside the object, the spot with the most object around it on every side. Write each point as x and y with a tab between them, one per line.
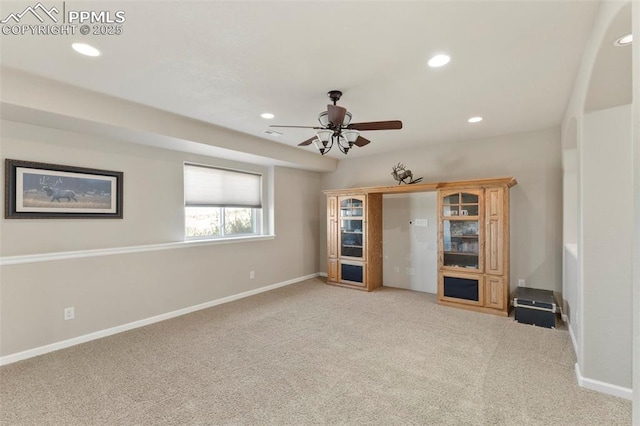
351	225
460	204
460	231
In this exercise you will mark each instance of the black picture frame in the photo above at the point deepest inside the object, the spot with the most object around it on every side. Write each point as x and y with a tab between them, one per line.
46	191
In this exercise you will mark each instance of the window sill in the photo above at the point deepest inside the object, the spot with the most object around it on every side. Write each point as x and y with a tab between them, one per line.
226	240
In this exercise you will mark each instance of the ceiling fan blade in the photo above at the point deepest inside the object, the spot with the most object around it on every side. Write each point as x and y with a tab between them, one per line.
299	127
336	114
377	125
307	142
361	141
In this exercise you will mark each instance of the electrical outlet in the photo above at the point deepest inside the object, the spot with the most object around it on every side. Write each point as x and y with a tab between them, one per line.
520	282
252	274
396	269
69	314
410	271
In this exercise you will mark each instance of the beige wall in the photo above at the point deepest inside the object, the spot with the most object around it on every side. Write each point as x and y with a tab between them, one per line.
607	215
153	197
410	252
636	216
108	291
602	141
31	99
534	159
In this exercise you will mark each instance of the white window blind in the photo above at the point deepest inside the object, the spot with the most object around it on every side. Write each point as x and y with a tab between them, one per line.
211	187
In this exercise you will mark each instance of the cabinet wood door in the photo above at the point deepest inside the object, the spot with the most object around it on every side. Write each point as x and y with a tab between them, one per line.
494	235
332	227
332	207
332	237
332	270
494	288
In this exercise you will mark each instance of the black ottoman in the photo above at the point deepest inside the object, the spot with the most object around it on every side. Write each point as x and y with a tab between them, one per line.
535	306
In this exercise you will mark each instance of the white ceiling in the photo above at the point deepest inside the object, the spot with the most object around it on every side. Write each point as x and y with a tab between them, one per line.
611	83
513	62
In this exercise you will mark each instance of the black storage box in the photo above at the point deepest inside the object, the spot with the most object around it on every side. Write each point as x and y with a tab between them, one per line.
535	306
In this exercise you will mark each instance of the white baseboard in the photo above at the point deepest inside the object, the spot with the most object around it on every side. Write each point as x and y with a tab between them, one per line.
603	387
574	341
322	274
30	353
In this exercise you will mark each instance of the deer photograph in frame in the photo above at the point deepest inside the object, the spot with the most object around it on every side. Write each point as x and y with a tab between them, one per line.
44	191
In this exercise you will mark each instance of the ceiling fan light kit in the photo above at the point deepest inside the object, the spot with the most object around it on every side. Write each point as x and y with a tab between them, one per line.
351	136
323	119
337	129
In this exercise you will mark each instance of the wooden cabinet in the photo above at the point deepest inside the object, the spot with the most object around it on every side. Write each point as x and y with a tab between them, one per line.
354	240
473	248
473	240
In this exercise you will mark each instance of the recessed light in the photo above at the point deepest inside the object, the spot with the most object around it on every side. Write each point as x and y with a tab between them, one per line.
624	40
439	60
267	115
85	49
272	133
475	119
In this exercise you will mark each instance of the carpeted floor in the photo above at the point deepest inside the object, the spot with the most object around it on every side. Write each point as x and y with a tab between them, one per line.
313	354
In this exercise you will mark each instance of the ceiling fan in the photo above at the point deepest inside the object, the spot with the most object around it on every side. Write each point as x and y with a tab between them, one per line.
336	127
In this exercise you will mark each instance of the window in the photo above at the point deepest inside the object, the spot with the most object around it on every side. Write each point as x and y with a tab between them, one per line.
221	203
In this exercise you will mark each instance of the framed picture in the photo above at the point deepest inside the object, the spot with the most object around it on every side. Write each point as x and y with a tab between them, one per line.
40	190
